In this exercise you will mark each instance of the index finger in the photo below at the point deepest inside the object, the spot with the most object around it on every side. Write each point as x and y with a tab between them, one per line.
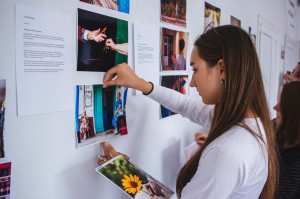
109	150
109	75
105	146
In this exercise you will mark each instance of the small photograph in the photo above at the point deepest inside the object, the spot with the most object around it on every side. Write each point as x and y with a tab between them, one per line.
252	35
212	15
118	5
282	52
234	21
132	180
102	41
177	83
2	115
5	176
173	12
173	48
100	113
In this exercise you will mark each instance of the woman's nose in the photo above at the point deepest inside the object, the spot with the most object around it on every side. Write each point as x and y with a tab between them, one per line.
192	83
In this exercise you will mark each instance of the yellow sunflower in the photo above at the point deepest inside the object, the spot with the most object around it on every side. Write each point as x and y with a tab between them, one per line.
132	184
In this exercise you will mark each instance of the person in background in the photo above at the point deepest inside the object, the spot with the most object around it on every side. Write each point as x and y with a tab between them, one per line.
288	140
84	126
238	159
294	75
117	112
176	11
180	60
171	62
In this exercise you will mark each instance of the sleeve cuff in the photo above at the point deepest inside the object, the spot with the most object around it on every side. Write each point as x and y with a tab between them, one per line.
85	34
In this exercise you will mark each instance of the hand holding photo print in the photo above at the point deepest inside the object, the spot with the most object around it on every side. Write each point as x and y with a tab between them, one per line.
102	41
132	180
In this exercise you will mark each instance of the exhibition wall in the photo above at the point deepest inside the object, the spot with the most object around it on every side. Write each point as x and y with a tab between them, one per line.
46	162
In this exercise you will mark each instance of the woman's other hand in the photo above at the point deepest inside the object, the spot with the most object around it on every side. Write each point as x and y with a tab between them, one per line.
109	153
200	138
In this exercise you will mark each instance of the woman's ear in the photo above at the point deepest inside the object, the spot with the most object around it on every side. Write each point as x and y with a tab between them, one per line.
220	66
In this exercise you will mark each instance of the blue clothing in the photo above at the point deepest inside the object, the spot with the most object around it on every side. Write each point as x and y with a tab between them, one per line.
118	107
125	98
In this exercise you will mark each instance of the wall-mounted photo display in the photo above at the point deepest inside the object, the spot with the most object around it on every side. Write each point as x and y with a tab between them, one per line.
102	41
5	179
118	5
100	113
173	49
176	82
235	21
2	115
173	12
212	15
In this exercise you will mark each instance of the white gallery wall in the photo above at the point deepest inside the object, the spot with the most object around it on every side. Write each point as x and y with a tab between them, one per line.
45	161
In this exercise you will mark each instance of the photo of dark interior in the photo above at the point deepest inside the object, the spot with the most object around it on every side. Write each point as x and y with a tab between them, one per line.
94	56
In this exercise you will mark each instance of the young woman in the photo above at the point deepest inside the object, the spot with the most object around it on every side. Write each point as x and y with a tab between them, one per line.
238	159
288	139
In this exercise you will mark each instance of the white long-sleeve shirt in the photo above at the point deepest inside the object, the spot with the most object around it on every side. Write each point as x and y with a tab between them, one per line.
235	165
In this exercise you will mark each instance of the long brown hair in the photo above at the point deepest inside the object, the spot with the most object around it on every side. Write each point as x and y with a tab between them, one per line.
288	133
243	90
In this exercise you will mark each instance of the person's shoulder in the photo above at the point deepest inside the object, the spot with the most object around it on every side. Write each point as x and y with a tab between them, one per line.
238	142
237	133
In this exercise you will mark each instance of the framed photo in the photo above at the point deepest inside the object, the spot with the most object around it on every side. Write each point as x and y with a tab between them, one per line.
100	113
173	12
177	83
173	48
118	5
99	40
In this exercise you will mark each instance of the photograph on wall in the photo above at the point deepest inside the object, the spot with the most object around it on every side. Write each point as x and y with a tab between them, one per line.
212	15
282	52
100	113
173	12
102	41
5	179
118	5
2	115
173	48
235	21
252	35
176	82
132	180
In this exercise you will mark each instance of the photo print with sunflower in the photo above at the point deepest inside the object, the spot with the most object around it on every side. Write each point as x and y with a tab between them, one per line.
132	180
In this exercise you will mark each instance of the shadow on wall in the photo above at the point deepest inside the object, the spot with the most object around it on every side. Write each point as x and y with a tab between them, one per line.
82	181
171	164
